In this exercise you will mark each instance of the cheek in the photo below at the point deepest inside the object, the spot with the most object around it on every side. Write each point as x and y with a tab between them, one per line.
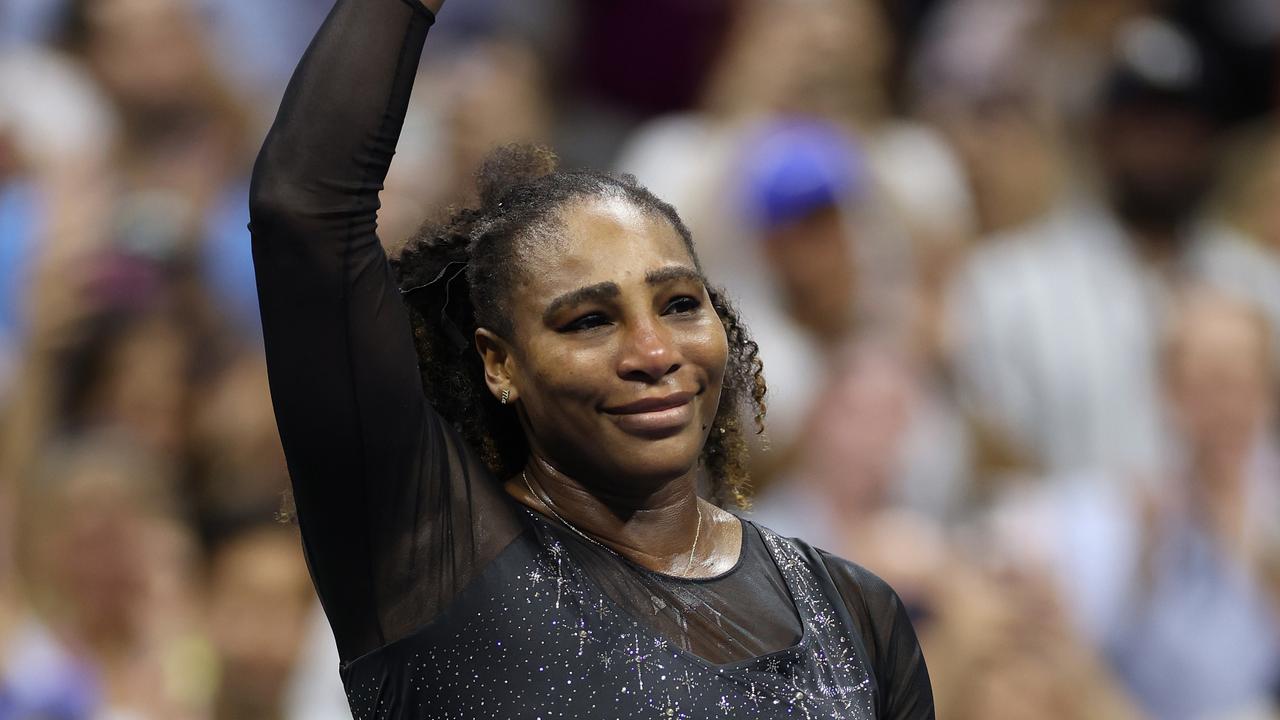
709	350
722	351
566	378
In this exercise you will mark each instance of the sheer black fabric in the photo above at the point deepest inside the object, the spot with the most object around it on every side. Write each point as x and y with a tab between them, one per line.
398	515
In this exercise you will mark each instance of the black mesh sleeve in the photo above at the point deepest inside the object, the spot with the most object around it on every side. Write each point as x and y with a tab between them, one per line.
396	512
884	628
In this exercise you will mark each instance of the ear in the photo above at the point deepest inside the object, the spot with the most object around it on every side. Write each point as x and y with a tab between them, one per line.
499	363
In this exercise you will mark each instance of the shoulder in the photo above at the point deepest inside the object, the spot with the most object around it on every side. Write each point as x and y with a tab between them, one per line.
1219	247
890	639
876	610
1075	233
651	149
1236	264
869	599
883	625
858	586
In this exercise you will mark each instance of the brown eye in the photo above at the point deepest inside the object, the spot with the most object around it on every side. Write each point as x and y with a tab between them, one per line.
586	322
682	305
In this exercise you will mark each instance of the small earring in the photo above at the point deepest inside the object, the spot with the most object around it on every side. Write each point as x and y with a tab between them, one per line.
506	396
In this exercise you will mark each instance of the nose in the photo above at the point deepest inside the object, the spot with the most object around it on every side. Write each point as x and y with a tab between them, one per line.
649	353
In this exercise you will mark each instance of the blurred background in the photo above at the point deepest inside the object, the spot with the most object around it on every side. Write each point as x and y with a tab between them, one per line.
1014	267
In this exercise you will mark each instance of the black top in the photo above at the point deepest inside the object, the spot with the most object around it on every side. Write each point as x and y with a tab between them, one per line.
447	597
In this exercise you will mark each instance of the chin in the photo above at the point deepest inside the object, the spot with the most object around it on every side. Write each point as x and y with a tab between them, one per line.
604	452
659	460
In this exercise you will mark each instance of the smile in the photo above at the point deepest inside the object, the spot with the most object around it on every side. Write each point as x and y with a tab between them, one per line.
654	417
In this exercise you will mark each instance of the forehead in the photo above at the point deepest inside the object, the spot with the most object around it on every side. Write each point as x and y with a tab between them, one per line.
602	240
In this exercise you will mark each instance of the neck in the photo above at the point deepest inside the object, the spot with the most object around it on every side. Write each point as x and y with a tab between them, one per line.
1159	247
655	530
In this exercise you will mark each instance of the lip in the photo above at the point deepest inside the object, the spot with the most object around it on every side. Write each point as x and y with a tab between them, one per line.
654	417
651	405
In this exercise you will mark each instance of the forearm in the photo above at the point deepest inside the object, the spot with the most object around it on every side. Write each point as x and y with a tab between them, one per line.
328	152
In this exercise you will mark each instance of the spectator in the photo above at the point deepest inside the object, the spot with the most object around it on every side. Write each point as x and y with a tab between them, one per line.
108	572
235	465
185	140
807	196
1017	230
980	77
848	460
1057	324
259	594
825	63
1177	584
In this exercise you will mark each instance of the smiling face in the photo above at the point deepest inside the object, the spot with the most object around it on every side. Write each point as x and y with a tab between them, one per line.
616	356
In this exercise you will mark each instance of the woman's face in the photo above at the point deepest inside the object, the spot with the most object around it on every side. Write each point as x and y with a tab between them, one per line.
617	357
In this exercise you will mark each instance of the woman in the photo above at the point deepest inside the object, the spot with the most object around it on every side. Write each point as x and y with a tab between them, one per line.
502	522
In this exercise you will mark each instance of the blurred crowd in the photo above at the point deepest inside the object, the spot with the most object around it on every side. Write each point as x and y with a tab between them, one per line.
1013	266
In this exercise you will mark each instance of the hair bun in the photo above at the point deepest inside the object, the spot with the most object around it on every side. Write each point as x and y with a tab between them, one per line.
510	166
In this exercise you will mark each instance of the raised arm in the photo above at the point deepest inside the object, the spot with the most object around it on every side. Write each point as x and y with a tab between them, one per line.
382	486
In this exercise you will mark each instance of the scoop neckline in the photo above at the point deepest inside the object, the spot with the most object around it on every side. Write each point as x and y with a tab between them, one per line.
803	641
737	564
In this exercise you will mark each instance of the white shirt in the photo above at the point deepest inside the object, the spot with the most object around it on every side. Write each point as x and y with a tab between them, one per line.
1058	330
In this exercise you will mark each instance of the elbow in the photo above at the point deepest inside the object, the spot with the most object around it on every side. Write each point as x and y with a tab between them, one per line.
266	212
277	192
269	190
293	197
275	204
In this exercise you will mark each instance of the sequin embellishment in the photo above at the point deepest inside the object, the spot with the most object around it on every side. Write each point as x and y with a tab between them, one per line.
545	642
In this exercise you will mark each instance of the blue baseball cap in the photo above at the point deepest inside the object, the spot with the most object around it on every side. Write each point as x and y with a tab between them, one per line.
794	167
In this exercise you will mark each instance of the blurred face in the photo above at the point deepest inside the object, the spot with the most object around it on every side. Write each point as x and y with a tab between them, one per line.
144	386
497	98
146	52
1008	150
99	553
854	436
259	600
813	262
827	59
106	559
618	356
1159	165
235	435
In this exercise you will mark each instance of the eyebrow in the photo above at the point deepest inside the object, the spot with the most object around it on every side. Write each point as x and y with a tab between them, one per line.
603	291
673	272
591	293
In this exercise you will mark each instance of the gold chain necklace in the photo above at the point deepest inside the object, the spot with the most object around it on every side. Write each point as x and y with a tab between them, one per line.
546	501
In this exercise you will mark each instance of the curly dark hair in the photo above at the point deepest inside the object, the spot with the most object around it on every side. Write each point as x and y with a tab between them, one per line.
456	276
